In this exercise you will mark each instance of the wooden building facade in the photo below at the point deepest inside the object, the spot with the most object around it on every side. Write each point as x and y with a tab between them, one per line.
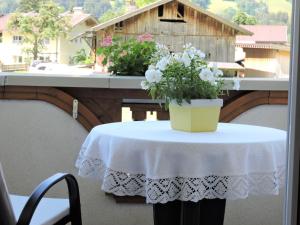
266	60
267	51
175	23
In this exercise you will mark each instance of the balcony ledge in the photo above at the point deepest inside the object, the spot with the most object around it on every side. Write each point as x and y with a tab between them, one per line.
122	82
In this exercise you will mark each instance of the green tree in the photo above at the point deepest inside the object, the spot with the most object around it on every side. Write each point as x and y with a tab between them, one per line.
36	27
79	2
141	3
8	6
81	57
96	7
112	13
252	7
67	4
275	18
228	13
31	5
244	18
202	3
118	4
262	11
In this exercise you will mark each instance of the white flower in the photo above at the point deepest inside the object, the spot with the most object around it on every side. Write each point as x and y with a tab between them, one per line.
187	46
153	76
199	68
190	50
182	58
162	50
207	75
186	59
191	54
162	64
200	54
218	73
236	84
151	67
177	57
144	85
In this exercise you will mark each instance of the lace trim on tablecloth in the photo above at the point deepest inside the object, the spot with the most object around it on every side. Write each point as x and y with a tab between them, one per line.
181	188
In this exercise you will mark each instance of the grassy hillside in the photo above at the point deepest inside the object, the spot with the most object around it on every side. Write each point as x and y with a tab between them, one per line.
217	6
280	5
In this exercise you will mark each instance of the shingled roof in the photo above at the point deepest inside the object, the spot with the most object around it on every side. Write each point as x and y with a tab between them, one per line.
264	34
78	15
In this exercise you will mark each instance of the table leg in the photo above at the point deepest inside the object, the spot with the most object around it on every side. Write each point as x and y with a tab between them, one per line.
167	214
204	212
190	213
212	211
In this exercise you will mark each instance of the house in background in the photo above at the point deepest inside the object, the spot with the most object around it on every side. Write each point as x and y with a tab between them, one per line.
80	22
60	50
175	23
266	53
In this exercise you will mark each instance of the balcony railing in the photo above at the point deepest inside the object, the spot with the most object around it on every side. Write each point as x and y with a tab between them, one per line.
101	97
42	140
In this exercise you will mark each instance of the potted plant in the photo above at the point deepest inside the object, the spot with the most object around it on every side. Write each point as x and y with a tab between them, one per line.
188	87
127	57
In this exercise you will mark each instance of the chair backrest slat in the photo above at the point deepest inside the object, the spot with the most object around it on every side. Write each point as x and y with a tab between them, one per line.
7	216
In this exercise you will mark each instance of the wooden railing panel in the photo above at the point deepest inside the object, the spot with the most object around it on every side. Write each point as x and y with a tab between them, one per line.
53	96
98	105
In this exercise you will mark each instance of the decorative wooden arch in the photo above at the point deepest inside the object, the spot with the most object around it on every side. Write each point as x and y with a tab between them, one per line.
53	96
251	100
234	106
89	116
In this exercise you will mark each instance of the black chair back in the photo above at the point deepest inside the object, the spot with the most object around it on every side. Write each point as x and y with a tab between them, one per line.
7	216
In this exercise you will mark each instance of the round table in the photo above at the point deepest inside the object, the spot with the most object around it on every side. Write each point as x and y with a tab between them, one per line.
164	165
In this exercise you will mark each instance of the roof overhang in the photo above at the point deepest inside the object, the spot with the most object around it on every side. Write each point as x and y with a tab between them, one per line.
226	66
88	34
264	46
240	30
88	17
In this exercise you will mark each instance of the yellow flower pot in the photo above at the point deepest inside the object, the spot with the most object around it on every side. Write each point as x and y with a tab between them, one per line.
201	115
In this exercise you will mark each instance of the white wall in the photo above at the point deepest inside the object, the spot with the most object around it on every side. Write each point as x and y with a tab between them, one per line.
38	139
258	210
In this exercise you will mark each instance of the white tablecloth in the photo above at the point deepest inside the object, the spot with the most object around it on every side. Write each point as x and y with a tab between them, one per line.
152	160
